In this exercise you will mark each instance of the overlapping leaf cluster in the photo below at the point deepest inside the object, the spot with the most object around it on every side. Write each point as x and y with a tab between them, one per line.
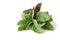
31	19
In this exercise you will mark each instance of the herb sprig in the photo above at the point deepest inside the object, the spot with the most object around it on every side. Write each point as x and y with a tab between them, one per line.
31	19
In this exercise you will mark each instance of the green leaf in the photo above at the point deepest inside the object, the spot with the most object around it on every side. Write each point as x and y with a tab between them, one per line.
25	27
28	26
21	22
48	26
32	14
27	20
24	23
50	20
21	28
30	23
27	11
42	17
50	17
28	16
35	27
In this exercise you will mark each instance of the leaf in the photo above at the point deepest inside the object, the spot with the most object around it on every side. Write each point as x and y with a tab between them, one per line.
27	20
50	20
48	26
50	16
25	16
46	12
38	6
27	11
21	28
30	23
28	16
37	9
35	27
42	17
28	26
21	22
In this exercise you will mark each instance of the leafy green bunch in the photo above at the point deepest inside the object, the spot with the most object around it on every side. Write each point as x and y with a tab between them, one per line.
36	20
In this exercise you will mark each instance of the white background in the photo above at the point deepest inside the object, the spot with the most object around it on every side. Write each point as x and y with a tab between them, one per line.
10	14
